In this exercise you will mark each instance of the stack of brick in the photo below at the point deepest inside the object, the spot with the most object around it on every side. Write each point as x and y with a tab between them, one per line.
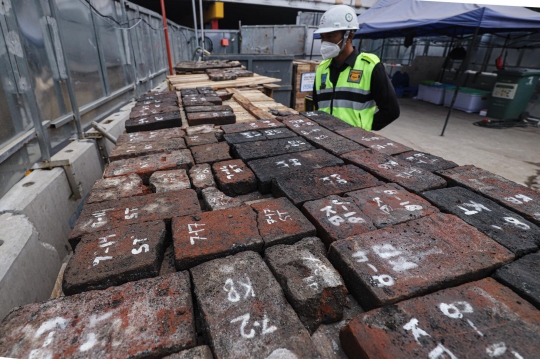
204	106
154	111
443	258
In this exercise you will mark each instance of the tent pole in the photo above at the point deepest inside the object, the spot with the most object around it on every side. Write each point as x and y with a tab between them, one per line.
462	70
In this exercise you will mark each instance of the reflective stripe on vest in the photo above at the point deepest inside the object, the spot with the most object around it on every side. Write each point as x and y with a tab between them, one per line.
350	101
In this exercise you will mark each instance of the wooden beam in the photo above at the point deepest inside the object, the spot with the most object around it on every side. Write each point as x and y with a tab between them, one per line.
249	107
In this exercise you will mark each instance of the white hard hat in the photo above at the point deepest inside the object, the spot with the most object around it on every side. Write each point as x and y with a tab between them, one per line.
338	17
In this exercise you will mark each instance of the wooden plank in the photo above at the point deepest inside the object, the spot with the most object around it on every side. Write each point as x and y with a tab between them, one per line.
180	82
252	109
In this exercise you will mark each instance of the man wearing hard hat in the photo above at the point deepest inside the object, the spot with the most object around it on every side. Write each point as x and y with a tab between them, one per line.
350	85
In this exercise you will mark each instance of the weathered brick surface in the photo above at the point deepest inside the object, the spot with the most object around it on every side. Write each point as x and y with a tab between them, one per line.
326	120
186	92
201	177
252	126
215	118
426	161
311	284
171	101
280	222
300	187
241	137
215	200
394	170
109	189
153	122
104	216
234	178
296	123
326	337
150	136
167	265
143	319
520	199
197	130
130	150
374	141
145	166
200	352
211	153
167	181
205	90
215	234
168	95
482	319
150	108
269	168
201	139
115	257
329	141
277	133
507	228
254	197
245	312
195	109
147	111
414	258
261	149
201	100
337	218
523	277
391	204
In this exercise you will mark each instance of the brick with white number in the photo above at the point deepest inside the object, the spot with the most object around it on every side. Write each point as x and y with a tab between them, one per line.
234	177
150	136
245	312
168	181
251	126
374	141
201	139
337	218
262	149
201	177
114	257
426	161
130	150
328	140
414	258
326	120
109	189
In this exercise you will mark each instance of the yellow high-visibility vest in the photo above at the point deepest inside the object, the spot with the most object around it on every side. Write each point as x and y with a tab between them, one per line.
351	99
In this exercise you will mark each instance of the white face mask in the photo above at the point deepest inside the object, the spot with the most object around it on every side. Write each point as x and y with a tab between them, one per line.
330	50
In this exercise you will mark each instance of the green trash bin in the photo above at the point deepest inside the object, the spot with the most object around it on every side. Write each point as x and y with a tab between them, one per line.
512	92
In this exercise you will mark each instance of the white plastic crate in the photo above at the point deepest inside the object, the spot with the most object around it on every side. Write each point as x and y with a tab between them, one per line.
470	101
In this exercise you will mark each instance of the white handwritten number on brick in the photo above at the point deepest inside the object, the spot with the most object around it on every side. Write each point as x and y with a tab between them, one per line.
232	292
251	334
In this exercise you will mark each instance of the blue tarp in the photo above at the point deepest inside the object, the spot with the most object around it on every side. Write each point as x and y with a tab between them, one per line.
399	18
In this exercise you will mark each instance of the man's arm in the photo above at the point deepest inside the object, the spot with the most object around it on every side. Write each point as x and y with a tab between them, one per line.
385	97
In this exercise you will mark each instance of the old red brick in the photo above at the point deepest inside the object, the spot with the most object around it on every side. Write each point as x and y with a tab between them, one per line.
165	101
104	216
426	161
337	218
197	130
414	258
124	151
167	95
201	177
245	312
326	120
481	319
201	100
234	177
280	222
143	319
195	109
298	122
391	204
201	139
518	198
251	126
215	234
186	92
299	187
167	181
200	352
149	136
109	189
141	107
154	122
311	284
147	111
214	118
394	170
261	149
115	257
145	166
374	141
327	140
211	153
215	200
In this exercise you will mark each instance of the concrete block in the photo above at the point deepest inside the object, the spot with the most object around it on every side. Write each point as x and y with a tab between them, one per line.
251	126
115	257
374	141
234	178
507	228
262	149
337	218
280	222
394	170
245	313
523	277
211	153
391	204
148	318
299	187
198	239
476	320
414	258
267	169
314	288
168	181
426	161
28	266
521	199
326	120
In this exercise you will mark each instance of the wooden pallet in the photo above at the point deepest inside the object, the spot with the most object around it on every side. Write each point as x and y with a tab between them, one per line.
180	82
299	67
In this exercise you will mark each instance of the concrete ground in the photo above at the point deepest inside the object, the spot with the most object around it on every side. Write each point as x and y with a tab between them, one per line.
512	153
